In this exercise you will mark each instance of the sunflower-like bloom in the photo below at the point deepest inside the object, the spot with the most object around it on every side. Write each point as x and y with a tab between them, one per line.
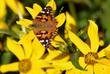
93	60
37	9
12	4
28	51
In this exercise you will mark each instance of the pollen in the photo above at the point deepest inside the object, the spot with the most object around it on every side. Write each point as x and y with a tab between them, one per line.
91	58
25	65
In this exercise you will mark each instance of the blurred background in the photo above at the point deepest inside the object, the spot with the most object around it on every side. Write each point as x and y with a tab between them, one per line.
80	10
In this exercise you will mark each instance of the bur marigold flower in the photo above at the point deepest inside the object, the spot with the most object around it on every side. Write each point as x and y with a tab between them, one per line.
28	51
93	60
12	4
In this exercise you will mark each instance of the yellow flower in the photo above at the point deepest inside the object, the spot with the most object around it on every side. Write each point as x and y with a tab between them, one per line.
29	52
92	60
36	10
12	5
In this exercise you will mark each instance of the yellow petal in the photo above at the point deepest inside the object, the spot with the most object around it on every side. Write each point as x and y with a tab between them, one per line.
38	49
27	37
60	19
34	12
39	63
93	35
9	67
83	47
82	61
63	65
26	41
70	22
71	71
35	71
3	25
53	71
24	22
102	52
15	48
101	68
37	8
2	9
57	40
90	70
52	54
52	4
15	6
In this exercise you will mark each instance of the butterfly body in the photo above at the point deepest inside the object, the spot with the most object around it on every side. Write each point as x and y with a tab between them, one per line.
44	26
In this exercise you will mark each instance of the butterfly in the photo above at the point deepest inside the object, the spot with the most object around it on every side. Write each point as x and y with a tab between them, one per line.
44	26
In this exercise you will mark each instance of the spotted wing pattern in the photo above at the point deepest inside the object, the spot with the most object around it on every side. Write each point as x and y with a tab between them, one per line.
44	26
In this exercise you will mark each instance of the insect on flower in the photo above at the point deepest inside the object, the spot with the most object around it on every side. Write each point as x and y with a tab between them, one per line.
44	26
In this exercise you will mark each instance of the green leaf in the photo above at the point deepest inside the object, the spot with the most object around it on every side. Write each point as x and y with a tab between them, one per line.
9	32
75	60
6	57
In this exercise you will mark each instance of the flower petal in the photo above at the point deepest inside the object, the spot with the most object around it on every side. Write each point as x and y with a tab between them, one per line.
83	47
24	22
71	71
37	8
100	68
27	37
15	48
34	12
53	71
15	6
35	71
70	22
93	35
2	9
38	49
58	40
102	52
52	54
63	65
9	67
26	41
90	70
60	20
40	63
52	4
82	61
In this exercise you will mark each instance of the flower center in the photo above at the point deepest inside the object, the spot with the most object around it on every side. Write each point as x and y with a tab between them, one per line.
25	65
91	58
